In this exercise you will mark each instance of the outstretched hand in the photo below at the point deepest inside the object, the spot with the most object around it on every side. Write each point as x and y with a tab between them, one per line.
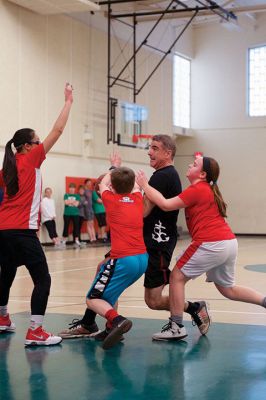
141	178
69	92
115	159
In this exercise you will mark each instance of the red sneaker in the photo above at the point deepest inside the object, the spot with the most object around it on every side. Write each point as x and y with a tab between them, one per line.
6	324
39	337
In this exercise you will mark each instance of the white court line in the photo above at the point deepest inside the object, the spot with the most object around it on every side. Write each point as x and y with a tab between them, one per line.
54	303
50	262
59	272
49	303
215	311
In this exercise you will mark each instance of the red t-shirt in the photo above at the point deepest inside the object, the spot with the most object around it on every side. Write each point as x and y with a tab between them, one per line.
125	218
22	211
204	222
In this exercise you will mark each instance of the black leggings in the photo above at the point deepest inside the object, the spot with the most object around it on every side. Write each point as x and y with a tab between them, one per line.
51	228
75	222
22	247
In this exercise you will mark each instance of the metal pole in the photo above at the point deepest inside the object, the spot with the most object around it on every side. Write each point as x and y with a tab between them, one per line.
109	136
144	41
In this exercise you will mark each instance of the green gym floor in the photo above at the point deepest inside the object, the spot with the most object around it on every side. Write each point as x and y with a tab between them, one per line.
228	364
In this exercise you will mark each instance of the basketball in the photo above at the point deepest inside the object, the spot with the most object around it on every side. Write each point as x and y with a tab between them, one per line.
97	182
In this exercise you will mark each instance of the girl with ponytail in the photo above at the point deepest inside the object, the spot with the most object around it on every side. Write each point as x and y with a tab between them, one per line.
213	249
20	178
10	173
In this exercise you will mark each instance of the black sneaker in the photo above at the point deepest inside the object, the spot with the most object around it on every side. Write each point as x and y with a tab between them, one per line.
120	325
78	330
103	334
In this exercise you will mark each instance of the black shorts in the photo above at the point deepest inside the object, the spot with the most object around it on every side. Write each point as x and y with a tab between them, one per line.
158	272
101	219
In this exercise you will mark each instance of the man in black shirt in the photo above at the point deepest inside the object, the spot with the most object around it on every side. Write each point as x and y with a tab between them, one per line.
160	232
160	227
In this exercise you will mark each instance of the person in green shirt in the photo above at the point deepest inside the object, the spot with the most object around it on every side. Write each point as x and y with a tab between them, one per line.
71	213
99	212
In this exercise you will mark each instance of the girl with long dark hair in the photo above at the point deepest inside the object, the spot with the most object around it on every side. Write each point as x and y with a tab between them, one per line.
19	222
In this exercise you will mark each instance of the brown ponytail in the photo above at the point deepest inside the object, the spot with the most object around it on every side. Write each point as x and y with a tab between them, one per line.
10	173
212	169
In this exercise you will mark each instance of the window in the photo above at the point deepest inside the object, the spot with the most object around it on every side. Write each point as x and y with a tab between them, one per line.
257	81
181	92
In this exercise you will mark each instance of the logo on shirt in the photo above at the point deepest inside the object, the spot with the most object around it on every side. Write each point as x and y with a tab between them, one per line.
126	199
159	235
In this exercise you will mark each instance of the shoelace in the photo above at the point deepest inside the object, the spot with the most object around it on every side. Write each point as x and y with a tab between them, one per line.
75	322
167	327
196	320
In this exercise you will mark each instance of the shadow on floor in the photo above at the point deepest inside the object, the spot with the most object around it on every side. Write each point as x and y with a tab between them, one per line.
228	364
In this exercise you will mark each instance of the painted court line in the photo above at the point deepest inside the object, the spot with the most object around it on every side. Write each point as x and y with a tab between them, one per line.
212	311
59	272
59	303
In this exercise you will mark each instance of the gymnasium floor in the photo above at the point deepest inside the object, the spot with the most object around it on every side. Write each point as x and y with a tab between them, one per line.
230	363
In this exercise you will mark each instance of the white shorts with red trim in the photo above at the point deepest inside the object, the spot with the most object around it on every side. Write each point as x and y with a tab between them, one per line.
216	259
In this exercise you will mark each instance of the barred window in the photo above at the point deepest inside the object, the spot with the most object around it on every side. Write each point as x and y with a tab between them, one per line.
257	81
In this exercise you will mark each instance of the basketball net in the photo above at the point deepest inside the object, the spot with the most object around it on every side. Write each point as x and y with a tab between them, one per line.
141	141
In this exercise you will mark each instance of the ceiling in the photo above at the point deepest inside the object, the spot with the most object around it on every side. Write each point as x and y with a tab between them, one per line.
49	7
82	8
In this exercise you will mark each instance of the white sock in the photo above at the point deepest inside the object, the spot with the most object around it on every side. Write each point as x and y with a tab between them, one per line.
36	321
3	311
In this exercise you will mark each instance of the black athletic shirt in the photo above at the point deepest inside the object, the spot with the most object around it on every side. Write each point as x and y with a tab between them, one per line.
160	230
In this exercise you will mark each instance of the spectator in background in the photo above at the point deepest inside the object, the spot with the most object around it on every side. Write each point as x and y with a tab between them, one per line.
48	216
99	212
83	205
71	213
90	213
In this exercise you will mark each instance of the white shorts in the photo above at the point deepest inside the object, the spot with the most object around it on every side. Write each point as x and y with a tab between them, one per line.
216	259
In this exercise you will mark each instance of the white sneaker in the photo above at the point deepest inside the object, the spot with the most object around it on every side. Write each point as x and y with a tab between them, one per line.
60	246
77	244
171	331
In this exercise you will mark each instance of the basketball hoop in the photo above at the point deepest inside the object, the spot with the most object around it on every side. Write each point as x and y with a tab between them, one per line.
142	141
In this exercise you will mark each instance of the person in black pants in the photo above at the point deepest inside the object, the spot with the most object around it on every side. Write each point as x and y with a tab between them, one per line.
19	222
48	216
71	214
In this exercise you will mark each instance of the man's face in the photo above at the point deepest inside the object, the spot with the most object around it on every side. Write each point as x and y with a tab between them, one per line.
159	156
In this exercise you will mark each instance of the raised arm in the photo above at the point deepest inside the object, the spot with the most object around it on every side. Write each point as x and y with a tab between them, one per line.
156	197
61	121
115	160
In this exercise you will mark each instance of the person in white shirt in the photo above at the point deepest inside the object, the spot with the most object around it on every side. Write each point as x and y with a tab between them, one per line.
48	216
